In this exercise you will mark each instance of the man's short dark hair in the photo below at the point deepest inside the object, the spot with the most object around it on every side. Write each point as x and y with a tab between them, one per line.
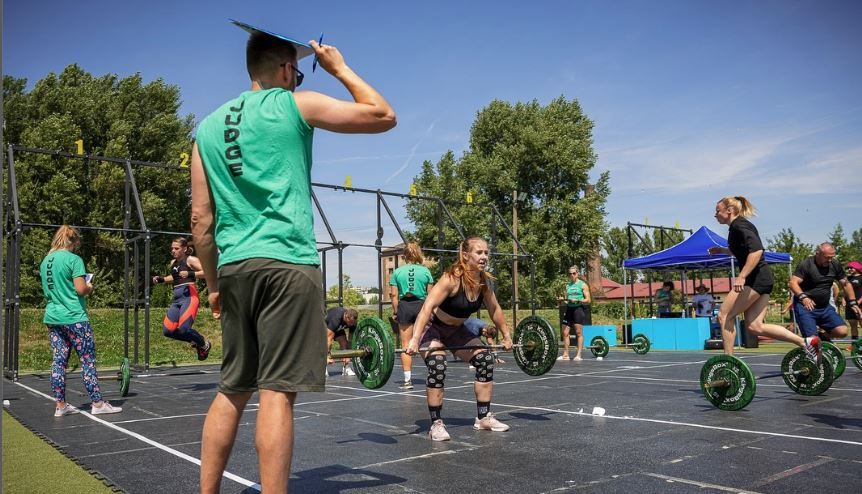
264	53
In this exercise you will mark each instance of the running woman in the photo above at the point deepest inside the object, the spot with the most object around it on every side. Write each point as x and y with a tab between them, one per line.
753	283
185	269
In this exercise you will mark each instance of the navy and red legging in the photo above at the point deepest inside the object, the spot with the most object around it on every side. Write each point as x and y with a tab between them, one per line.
181	315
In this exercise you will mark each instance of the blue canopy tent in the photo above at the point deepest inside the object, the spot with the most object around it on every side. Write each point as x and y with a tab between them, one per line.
691	254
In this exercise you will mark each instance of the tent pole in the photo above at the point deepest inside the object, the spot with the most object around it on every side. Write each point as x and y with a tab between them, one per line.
625	308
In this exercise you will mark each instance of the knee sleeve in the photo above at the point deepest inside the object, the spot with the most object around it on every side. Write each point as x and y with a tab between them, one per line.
436	370
484	364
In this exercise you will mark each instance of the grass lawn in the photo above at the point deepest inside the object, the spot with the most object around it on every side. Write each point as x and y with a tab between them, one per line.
32	466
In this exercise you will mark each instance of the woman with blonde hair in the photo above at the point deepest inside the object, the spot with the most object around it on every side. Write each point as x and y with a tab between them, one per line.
408	287
65	286
460	292
754	281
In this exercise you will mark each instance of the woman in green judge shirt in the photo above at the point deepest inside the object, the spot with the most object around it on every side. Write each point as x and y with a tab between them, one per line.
577	295
408	287
64	285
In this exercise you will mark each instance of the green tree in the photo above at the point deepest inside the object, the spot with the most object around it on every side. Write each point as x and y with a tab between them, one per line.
854	247
544	152
789	242
351	296
116	117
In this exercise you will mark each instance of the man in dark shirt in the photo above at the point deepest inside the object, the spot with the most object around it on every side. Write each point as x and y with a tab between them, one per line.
854	276
339	319
811	285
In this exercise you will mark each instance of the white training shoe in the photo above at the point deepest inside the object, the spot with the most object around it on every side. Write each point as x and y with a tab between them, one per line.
66	410
105	408
489	423
438	431
347	371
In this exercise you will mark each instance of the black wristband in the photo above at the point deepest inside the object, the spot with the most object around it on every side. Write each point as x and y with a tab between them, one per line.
802	296
160	279
852	303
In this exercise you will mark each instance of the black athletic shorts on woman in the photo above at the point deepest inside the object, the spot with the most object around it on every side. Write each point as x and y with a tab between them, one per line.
575	315
408	310
761	280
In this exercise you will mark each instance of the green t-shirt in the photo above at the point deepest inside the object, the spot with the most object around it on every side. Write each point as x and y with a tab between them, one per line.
575	293
412	278
256	151
58	270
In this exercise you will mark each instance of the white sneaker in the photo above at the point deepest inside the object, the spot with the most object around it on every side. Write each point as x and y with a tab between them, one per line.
438	431
105	408
66	410
563	357
489	423
577	358
347	371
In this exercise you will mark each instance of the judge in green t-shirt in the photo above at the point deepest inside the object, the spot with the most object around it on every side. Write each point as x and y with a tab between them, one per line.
408	287
64	283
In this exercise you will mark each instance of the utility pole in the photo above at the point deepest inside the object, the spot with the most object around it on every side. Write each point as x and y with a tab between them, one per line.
515	251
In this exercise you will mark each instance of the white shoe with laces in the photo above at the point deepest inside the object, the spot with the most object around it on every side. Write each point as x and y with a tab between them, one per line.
438	431
105	409
347	371
489	423
66	410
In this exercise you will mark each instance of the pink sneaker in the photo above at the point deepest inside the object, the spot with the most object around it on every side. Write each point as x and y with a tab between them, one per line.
438	431
105	408
489	423
66	410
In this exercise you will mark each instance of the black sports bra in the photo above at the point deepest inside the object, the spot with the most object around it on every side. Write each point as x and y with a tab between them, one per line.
458	305
182	266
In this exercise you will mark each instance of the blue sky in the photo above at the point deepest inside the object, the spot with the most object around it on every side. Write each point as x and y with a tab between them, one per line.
692	100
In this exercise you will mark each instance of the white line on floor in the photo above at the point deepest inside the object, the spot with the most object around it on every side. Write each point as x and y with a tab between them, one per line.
702	485
179	454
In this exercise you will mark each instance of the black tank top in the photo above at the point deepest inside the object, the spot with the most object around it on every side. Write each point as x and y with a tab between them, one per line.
182	265
458	305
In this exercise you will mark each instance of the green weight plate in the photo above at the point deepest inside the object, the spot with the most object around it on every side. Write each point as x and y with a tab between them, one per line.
125	377
816	382
599	346
373	370
856	353
541	357
839	364
640	344
740	388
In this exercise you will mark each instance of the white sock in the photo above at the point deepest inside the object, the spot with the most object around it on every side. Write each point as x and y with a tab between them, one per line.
407	376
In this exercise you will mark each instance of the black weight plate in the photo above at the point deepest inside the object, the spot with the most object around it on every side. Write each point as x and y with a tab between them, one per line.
740	385
536	333
374	369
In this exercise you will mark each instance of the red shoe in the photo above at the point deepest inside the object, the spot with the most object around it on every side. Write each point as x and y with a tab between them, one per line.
204	352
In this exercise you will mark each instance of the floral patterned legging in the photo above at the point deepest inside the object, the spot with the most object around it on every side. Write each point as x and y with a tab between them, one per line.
79	336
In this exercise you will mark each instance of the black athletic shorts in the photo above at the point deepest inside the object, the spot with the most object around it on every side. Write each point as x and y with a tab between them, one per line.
575	315
408	310
761	280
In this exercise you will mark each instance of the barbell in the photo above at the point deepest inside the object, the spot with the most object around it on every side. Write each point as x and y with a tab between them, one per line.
599	346
728	383
534	347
